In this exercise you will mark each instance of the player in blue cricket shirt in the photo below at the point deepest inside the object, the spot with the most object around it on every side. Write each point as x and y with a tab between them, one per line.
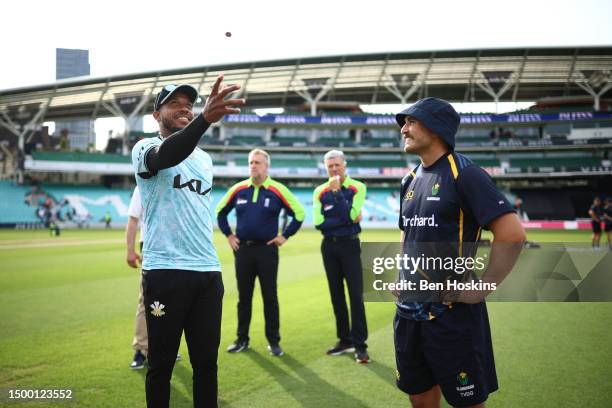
182	284
444	346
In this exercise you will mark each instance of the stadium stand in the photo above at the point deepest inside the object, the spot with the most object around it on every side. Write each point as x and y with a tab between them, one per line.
557	163
80	157
13	208
562	143
93	202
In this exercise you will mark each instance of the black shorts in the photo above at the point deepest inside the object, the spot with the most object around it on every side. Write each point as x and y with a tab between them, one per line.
596	226
453	350
608	226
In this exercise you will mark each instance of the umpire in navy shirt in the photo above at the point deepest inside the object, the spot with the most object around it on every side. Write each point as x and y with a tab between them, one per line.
336	206
258	201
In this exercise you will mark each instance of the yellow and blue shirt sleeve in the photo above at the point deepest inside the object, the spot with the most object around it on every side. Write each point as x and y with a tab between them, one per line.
317	214
291	204
225	206
359	197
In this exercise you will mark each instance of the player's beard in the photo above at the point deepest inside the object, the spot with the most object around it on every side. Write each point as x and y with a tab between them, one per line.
413	146
408	148
169	125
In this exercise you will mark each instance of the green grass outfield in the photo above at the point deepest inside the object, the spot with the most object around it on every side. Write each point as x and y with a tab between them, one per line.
67	309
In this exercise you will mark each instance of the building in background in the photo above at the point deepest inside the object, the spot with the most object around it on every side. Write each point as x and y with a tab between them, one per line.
71	63
74	135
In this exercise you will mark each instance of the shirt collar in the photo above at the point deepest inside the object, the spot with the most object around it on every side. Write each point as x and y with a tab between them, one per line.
437	162
265	184
346	182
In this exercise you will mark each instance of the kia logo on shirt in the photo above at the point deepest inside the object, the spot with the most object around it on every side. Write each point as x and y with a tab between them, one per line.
193	185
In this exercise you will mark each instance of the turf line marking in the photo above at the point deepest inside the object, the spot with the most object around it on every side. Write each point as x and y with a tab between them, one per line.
26	245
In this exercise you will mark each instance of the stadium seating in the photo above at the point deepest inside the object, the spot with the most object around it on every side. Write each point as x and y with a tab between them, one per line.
474	140
291	139
94	200
294	162
380	143
380	208
559	163
219	162
378	163
249	140
81	157
484	162
12	205
286	161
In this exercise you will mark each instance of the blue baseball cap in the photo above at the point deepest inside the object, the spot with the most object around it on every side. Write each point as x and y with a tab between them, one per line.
436	115
169	90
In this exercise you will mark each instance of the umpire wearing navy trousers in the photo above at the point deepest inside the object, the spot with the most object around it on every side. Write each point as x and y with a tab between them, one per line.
336	213
258	201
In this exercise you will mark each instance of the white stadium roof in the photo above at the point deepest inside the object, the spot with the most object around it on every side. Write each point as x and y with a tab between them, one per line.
486	75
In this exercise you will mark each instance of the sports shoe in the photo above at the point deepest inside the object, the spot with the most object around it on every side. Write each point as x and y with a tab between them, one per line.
275	350
361	356
138	362
340	348
178	357
238	346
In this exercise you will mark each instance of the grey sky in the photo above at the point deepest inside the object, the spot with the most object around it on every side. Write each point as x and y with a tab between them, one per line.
133	36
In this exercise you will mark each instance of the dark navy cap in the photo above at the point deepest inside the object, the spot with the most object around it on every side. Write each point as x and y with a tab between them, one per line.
169	90
436	115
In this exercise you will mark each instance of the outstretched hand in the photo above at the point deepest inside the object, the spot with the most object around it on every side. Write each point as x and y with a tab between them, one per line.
217	106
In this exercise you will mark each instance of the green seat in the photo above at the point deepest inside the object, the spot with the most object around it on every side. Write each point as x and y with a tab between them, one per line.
81	157
487	162
292	139
251	140
372	163
297	162
556	162
474	139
